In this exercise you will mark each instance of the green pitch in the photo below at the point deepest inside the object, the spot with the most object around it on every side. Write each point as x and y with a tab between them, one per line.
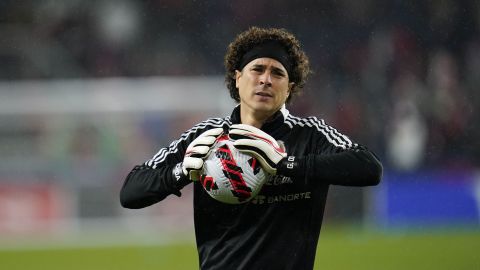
338	249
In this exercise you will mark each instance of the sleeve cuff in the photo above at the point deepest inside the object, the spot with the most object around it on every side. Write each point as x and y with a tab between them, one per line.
180	180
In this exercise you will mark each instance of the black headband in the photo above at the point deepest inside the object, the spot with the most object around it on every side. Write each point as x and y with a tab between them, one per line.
271	49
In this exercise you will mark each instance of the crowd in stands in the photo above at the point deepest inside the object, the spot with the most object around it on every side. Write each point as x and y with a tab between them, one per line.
402	77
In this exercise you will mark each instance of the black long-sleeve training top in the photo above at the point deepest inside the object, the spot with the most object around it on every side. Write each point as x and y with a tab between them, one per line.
278	229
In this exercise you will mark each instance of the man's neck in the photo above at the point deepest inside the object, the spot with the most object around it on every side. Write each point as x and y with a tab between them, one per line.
252	120
256	119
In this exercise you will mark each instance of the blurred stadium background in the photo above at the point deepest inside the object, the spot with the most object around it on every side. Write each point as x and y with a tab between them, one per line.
88	89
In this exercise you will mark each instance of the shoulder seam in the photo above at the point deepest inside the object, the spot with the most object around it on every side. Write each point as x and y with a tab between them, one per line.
331	134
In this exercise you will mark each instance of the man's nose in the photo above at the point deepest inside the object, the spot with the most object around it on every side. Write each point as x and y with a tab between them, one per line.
266	79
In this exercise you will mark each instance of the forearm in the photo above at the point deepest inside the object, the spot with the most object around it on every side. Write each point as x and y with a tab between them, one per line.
348	168
145	186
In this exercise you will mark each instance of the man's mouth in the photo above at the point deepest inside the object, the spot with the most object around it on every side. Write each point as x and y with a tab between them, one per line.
263	94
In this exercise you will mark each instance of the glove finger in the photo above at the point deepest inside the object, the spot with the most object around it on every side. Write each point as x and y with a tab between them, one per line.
192	167
237	134
207	141
212	132
192	163
262	146
240	133
199	151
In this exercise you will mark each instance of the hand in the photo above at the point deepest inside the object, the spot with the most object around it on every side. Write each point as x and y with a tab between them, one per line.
197	151
259	144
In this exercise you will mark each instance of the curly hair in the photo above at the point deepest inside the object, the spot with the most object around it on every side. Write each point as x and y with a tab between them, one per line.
245	41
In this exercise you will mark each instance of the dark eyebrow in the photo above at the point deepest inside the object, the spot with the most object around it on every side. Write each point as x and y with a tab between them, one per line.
275	69
258	66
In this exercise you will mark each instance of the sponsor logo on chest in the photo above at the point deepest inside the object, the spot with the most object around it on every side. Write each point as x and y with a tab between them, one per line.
269	199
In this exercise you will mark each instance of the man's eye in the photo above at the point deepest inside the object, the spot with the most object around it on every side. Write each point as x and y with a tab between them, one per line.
278	74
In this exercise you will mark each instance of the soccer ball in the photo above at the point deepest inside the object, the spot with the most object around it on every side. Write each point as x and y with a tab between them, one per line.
231	176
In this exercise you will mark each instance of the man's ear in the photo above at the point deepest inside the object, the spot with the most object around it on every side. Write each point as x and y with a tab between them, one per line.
238	74
290	86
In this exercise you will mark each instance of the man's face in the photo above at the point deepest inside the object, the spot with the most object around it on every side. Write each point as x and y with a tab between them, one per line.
263	86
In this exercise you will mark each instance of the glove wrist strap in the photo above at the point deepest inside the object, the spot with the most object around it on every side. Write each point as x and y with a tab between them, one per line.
180	178
291	166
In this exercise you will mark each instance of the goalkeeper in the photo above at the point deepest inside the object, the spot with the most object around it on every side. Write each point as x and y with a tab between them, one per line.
265	69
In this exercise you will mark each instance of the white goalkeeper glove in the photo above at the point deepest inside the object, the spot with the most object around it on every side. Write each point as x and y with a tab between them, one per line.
197	151
259	144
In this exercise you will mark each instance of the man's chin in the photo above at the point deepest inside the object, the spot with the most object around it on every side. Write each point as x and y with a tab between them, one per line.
266	109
